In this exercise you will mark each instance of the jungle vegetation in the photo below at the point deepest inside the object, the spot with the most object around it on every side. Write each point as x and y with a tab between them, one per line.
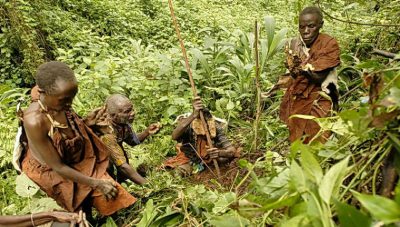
130	47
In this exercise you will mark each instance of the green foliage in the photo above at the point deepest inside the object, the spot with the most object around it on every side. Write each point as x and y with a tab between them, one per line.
130	47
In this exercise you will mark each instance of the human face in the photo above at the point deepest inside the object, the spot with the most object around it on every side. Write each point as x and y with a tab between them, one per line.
62	97
309	26
123	113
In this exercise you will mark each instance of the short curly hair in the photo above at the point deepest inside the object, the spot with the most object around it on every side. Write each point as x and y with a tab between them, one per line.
48	73
313	10
114	102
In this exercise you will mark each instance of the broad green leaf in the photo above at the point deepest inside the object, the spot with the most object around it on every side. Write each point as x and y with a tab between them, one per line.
264	52
222	204
332	180
394	96
297	147
311	167
230	105
149	214
230	219
297	180
397	193
171	110
349	216
25	187
41	205
284	201
369	64
297	221
270	28
277	42
169	219
381	208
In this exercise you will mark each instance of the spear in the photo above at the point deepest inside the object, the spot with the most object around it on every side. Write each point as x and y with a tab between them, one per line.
203	121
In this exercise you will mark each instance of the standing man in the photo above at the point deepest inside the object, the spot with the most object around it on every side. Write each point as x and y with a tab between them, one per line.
312	90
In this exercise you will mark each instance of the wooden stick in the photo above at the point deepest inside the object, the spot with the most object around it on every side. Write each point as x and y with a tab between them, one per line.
383	53
189	71
258	89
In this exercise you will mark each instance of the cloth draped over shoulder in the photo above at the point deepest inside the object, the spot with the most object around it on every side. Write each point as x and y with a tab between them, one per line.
191	146
304	97
112	135
85	153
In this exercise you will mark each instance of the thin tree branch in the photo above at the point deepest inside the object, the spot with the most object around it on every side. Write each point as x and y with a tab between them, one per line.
354	22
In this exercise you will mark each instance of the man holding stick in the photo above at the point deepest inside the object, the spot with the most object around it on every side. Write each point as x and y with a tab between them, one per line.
192	149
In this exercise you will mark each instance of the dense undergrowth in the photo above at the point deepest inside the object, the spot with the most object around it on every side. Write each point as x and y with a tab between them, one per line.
130	47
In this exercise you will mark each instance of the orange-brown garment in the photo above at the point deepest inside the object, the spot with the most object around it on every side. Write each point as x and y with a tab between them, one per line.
303	97
219	139
88	155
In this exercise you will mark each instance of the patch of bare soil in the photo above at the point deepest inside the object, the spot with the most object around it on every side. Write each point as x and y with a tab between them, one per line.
231	175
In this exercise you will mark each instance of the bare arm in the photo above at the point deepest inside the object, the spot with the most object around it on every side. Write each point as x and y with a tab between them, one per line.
41	218
36	127
26	220
197	107
143	135
182	126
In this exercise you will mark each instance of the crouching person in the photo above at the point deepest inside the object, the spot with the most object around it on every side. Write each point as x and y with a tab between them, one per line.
61	154
192	150
112	123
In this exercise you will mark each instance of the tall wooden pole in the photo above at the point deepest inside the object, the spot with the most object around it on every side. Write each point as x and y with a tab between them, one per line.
189	71
258	87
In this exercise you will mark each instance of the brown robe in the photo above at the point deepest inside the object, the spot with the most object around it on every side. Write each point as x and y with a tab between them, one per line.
195	135
302	96
86	154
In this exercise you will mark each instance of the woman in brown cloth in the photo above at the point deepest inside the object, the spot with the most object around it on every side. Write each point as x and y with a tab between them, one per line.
61	154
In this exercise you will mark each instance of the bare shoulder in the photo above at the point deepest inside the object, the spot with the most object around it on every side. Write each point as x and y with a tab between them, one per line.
34	120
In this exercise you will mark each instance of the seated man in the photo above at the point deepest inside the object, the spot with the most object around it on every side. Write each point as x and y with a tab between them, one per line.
112	123
192	151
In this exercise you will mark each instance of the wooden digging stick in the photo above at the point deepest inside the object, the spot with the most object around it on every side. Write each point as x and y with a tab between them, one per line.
189	71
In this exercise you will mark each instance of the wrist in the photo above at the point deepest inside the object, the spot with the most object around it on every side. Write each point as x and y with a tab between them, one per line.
195	114
94	183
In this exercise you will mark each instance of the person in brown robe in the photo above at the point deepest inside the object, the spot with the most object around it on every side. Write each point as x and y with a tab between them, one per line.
61	154
312	88
192	149
112	123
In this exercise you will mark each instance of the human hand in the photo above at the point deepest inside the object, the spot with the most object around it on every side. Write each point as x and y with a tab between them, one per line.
213	153
73	218
197	105
154	128
107	187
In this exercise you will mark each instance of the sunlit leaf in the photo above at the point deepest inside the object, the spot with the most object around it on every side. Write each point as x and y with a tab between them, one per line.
230	219
270	28
381	208
25	187
297	179
311	166
332	180
149	213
